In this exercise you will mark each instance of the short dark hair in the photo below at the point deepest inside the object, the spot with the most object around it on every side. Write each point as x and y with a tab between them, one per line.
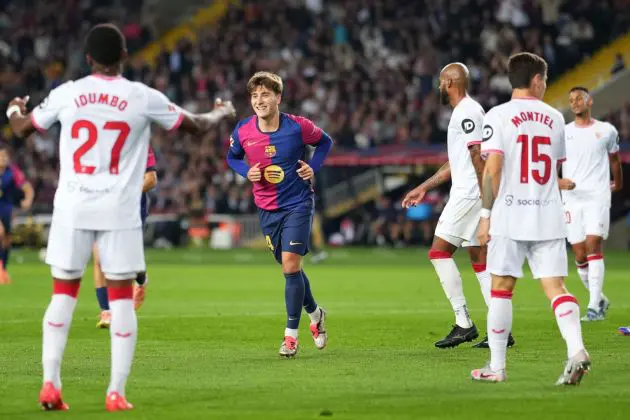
105	44
579	89
523	67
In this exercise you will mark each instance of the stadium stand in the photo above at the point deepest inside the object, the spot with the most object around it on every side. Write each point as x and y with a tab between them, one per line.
365	70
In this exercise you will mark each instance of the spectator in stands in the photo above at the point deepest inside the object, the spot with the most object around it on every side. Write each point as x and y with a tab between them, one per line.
618	65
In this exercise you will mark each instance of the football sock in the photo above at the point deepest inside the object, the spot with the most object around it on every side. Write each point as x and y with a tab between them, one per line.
4	256
56	326
567	312
291	332
141	278
123	332
582	270
485	281
499	327
101	296
452	284
293	298
595	279
309	301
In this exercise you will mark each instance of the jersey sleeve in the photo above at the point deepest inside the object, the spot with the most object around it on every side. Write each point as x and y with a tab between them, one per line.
47	112
151	162
471	123
559	147
235	144
613	140
311	134
162	111
492	137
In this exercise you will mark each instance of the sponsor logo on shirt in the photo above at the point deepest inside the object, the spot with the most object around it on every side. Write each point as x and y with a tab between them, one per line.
273	174
468	125
529	202
488	131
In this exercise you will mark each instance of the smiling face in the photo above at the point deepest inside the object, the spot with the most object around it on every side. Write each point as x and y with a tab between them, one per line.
265	102
265	93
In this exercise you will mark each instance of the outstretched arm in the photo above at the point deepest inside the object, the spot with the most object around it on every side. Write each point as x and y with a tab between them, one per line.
20	119
416	195
200	123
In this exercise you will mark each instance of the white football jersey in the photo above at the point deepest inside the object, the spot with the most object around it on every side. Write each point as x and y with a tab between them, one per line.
103	146
587	160
464	130
530	136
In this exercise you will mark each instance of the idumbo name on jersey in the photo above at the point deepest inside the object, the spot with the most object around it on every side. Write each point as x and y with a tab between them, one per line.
100	99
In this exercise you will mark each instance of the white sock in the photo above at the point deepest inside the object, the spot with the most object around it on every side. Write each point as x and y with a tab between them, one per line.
582	270
124	333
452	284
56	326
290	332
315	316
499	327
567	312
485	281
595	279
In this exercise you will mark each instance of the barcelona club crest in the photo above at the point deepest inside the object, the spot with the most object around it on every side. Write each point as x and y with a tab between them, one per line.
270	151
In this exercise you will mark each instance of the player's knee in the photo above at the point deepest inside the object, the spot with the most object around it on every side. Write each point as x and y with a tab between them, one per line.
593	245
436	254
291	263
503	283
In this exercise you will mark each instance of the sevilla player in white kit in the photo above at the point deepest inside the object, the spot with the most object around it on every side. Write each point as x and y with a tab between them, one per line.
592	152
459	220
522	216
105	129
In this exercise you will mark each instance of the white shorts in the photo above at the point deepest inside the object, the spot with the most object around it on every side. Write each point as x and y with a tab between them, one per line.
586	218
459	221
545	258
69	250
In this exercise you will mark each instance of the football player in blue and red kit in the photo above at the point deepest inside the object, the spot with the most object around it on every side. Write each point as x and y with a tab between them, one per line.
13	188
274	144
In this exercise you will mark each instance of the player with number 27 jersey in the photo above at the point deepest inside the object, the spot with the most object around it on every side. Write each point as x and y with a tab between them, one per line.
103	146
530	136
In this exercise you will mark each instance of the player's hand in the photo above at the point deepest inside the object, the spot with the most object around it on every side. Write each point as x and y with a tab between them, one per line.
614	187
566	184
305	171
26	204
413	197
2	232
254	174
227	107
21	103
483	231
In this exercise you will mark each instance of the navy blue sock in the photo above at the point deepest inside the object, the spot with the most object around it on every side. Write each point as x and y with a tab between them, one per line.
309	301
4	256
101	296
141	278
293	298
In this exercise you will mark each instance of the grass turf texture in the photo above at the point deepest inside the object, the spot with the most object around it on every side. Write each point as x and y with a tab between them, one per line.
213	321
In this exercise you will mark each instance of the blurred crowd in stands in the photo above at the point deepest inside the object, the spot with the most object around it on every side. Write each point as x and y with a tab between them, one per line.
364	70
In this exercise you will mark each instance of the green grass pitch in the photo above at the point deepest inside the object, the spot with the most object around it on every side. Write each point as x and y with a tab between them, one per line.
213	322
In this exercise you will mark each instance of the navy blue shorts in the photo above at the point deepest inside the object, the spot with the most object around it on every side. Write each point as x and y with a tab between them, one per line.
6	220
287	230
